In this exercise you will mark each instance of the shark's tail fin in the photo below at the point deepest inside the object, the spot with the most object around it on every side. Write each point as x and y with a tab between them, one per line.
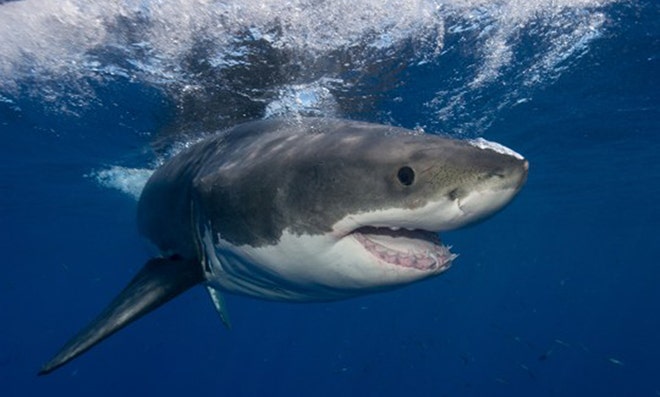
160	280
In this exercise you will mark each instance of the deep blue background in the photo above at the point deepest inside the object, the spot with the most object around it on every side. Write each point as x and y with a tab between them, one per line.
556	295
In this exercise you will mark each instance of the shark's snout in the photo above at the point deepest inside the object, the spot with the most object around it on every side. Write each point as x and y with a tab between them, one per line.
490	177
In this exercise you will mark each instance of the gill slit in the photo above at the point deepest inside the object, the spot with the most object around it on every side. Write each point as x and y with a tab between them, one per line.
199	247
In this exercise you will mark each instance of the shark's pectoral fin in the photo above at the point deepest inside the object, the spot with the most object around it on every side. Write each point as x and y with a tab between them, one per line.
220	307
160	280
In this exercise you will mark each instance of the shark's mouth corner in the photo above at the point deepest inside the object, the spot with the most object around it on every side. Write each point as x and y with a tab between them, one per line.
415	249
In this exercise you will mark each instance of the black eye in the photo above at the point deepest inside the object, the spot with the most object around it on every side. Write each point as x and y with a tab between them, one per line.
406	175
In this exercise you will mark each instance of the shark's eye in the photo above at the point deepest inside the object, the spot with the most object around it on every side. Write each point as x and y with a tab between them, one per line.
406	175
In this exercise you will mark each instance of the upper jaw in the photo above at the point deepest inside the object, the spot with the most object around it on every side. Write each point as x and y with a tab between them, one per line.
441	214
433	217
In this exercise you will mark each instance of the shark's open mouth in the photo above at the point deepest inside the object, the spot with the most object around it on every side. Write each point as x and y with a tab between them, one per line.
417	249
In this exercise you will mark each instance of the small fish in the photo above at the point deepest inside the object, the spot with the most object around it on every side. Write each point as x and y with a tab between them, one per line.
528	370
615	361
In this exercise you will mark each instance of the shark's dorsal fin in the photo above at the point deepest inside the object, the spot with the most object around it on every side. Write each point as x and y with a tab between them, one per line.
160	280
219	303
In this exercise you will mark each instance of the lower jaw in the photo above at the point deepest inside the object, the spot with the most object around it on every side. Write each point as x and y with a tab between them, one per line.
428	263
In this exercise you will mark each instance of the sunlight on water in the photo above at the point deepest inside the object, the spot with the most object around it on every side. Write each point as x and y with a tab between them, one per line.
249	59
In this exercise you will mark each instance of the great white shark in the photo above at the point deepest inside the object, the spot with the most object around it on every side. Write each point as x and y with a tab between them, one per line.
305	209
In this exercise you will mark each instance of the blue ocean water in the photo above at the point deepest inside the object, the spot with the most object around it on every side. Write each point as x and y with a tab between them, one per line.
557	295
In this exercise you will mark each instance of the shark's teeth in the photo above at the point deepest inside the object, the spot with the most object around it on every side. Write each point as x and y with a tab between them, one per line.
413	249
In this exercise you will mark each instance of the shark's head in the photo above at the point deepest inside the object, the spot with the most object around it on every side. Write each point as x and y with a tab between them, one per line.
326	209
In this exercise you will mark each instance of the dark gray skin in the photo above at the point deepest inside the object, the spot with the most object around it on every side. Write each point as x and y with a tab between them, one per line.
295	210
303	184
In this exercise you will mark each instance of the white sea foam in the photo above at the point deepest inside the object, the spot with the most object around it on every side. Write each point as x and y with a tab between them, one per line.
220	48
127	180
313	99
482	143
